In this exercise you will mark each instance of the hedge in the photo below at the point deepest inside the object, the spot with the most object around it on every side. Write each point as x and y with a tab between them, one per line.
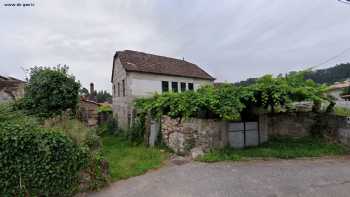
38	162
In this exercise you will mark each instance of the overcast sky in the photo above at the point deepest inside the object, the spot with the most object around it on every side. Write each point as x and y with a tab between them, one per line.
232	40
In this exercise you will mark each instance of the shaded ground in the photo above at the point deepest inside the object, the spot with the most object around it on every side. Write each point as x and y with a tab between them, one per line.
320	177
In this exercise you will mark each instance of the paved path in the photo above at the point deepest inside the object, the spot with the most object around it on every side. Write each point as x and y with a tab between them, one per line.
287	178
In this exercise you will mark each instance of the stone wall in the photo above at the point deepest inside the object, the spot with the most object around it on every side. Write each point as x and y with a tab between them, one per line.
193	135
88	112
304	124
190	135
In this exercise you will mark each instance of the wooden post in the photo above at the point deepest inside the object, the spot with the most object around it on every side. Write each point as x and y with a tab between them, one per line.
147	128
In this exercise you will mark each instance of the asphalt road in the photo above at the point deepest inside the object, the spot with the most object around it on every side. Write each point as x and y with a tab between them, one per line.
312	178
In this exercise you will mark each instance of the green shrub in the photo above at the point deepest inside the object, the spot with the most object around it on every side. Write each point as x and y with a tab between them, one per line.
342	111
110	126
9	113
135	133
96	175
38	162
228	102
104	108
75	130
50	91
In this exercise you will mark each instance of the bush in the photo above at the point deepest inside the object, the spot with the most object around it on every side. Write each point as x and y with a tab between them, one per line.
38	162
75	130
95	175
135	133
342	111
9	113
110	126
50	91
104	108
228	102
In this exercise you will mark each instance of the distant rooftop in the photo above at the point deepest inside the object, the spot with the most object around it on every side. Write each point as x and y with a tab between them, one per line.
339	85
8	78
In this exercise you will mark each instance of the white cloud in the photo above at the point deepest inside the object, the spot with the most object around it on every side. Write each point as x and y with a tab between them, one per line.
233	40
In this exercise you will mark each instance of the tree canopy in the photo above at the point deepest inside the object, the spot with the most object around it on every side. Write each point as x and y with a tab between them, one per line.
50	91
328	76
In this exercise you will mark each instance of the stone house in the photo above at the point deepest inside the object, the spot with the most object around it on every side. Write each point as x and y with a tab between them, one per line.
11	88
137	74
336	91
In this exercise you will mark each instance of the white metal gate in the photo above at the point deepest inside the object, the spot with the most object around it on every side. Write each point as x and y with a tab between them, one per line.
243	134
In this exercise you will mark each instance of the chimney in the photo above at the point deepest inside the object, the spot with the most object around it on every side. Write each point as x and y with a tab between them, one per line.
92	88
92	95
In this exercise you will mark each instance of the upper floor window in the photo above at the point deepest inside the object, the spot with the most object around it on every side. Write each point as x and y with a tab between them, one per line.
118	89
183	87
113	90
123	83
174	86
190	86
165	86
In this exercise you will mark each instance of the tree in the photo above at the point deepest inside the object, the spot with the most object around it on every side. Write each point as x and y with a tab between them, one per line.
271	92
103	96
83	92
330	75
50	91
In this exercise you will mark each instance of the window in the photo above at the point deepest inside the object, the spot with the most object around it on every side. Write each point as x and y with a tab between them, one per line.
113	90
190	86
118	89
165	86
123	82
183	87
174	86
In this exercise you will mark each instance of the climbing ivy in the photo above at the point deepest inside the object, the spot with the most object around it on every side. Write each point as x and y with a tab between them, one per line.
227	101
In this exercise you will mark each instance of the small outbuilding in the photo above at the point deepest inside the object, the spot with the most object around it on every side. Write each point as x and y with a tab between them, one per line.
11	89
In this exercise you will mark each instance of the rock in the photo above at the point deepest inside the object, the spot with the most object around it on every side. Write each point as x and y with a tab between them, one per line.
196	152
179	160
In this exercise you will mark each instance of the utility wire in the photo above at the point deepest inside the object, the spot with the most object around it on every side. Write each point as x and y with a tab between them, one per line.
344	1
334	57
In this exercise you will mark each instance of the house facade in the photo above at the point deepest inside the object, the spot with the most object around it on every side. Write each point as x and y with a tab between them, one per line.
137	74
11	89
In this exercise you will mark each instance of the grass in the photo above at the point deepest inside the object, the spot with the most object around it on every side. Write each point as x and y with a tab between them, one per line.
283	148
342	111
126	160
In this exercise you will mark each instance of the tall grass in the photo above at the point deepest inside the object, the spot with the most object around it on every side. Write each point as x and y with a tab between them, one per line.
127	160
74	129
284	148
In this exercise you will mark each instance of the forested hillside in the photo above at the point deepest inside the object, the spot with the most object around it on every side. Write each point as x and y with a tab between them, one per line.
330	75
337	73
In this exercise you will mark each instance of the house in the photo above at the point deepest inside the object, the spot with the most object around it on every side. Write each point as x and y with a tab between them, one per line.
137	74
337	92
11	88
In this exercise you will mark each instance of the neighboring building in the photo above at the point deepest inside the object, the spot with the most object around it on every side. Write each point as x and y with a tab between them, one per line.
11	89
337	90
137	74
89	112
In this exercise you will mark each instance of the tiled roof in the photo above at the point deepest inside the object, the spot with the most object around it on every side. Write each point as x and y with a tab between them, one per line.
134	61
4	78
9	82
341	85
